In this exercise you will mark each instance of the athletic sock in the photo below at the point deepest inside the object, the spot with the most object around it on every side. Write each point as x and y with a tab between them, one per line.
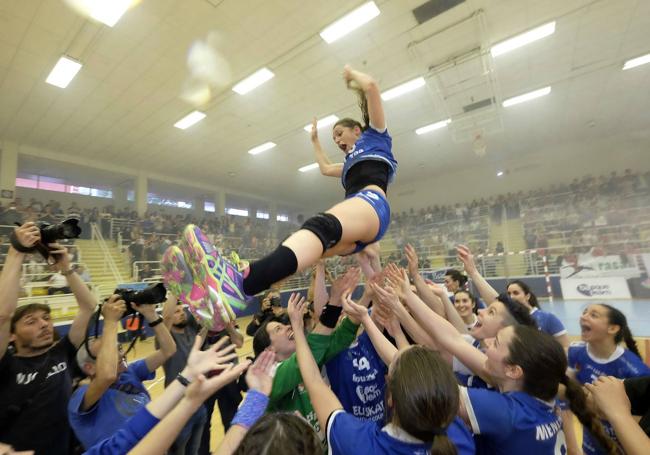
270	269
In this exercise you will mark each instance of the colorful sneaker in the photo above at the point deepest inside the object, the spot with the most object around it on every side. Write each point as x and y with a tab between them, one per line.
240	263
221	279
181	283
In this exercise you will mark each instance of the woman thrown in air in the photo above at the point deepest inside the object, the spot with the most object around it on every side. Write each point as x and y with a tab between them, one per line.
351	225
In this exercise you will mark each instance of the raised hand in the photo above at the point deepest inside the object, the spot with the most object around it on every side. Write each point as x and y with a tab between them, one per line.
260	374
147	310
212	359
467	258
412	258
202	388
296	310
399	280
344	284
314	130
61	257
114	308
355	312
28	234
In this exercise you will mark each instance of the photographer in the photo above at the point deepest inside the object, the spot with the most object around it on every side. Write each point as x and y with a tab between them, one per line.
115	392
36	376
270	307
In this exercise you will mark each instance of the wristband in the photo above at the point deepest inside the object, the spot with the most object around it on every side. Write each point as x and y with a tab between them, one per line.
182	379
330	315
251	409
156	322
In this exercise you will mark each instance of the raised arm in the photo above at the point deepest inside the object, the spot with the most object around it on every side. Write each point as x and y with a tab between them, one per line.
447	336
383	347
107	356
86	301
425	293
169	308
322	398
320	289
27	235
235	336
324	164
370	89
487	292
163	337
341	286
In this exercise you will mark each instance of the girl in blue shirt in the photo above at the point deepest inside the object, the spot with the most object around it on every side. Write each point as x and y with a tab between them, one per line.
603	329
422	397
348	227
527	366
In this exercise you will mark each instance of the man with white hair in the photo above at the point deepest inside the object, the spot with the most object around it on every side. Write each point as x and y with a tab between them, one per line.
115	392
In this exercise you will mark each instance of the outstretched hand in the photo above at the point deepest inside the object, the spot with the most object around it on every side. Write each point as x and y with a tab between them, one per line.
412	258
357	313
203	388
314	130
260	375
28	234
296	310
467	258
212	359
344	284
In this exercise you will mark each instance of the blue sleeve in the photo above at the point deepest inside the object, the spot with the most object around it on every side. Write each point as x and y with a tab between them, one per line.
140	370
489	411
555	326
347	434
76	401
572	356
125	439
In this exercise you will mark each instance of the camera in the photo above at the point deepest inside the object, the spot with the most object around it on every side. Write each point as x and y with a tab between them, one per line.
151	295
66	229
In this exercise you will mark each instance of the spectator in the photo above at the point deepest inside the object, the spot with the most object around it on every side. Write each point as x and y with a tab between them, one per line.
115	392
58	284
36	376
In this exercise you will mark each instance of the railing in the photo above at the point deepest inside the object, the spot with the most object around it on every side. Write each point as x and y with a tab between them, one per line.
108	258
156	267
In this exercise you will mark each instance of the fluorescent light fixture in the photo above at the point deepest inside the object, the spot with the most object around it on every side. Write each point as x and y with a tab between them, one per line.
402	89
325	121
433	126
636	62
108	11
351	21
189	120
523	39
527	96
253	81
309	167
262	215
237	212
500	174
282	218
63	72
262	148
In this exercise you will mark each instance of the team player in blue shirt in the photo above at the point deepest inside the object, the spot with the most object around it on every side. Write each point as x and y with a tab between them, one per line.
527	366
422	398
361	219
603	329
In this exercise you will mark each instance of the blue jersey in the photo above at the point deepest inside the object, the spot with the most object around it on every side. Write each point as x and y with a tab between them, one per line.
357	377
464	375
124	399
348	435
621	364
513	423
372	145
548	322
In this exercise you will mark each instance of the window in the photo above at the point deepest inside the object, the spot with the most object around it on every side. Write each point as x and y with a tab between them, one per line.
209	207
155	199
130	196
237	212
283	218
41	182
263	215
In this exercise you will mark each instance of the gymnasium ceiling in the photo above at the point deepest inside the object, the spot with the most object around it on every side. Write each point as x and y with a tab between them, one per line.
121	107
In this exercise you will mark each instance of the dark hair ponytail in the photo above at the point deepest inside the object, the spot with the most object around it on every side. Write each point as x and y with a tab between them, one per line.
363	105
544	363
616	317
587	417
532	300
442	445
